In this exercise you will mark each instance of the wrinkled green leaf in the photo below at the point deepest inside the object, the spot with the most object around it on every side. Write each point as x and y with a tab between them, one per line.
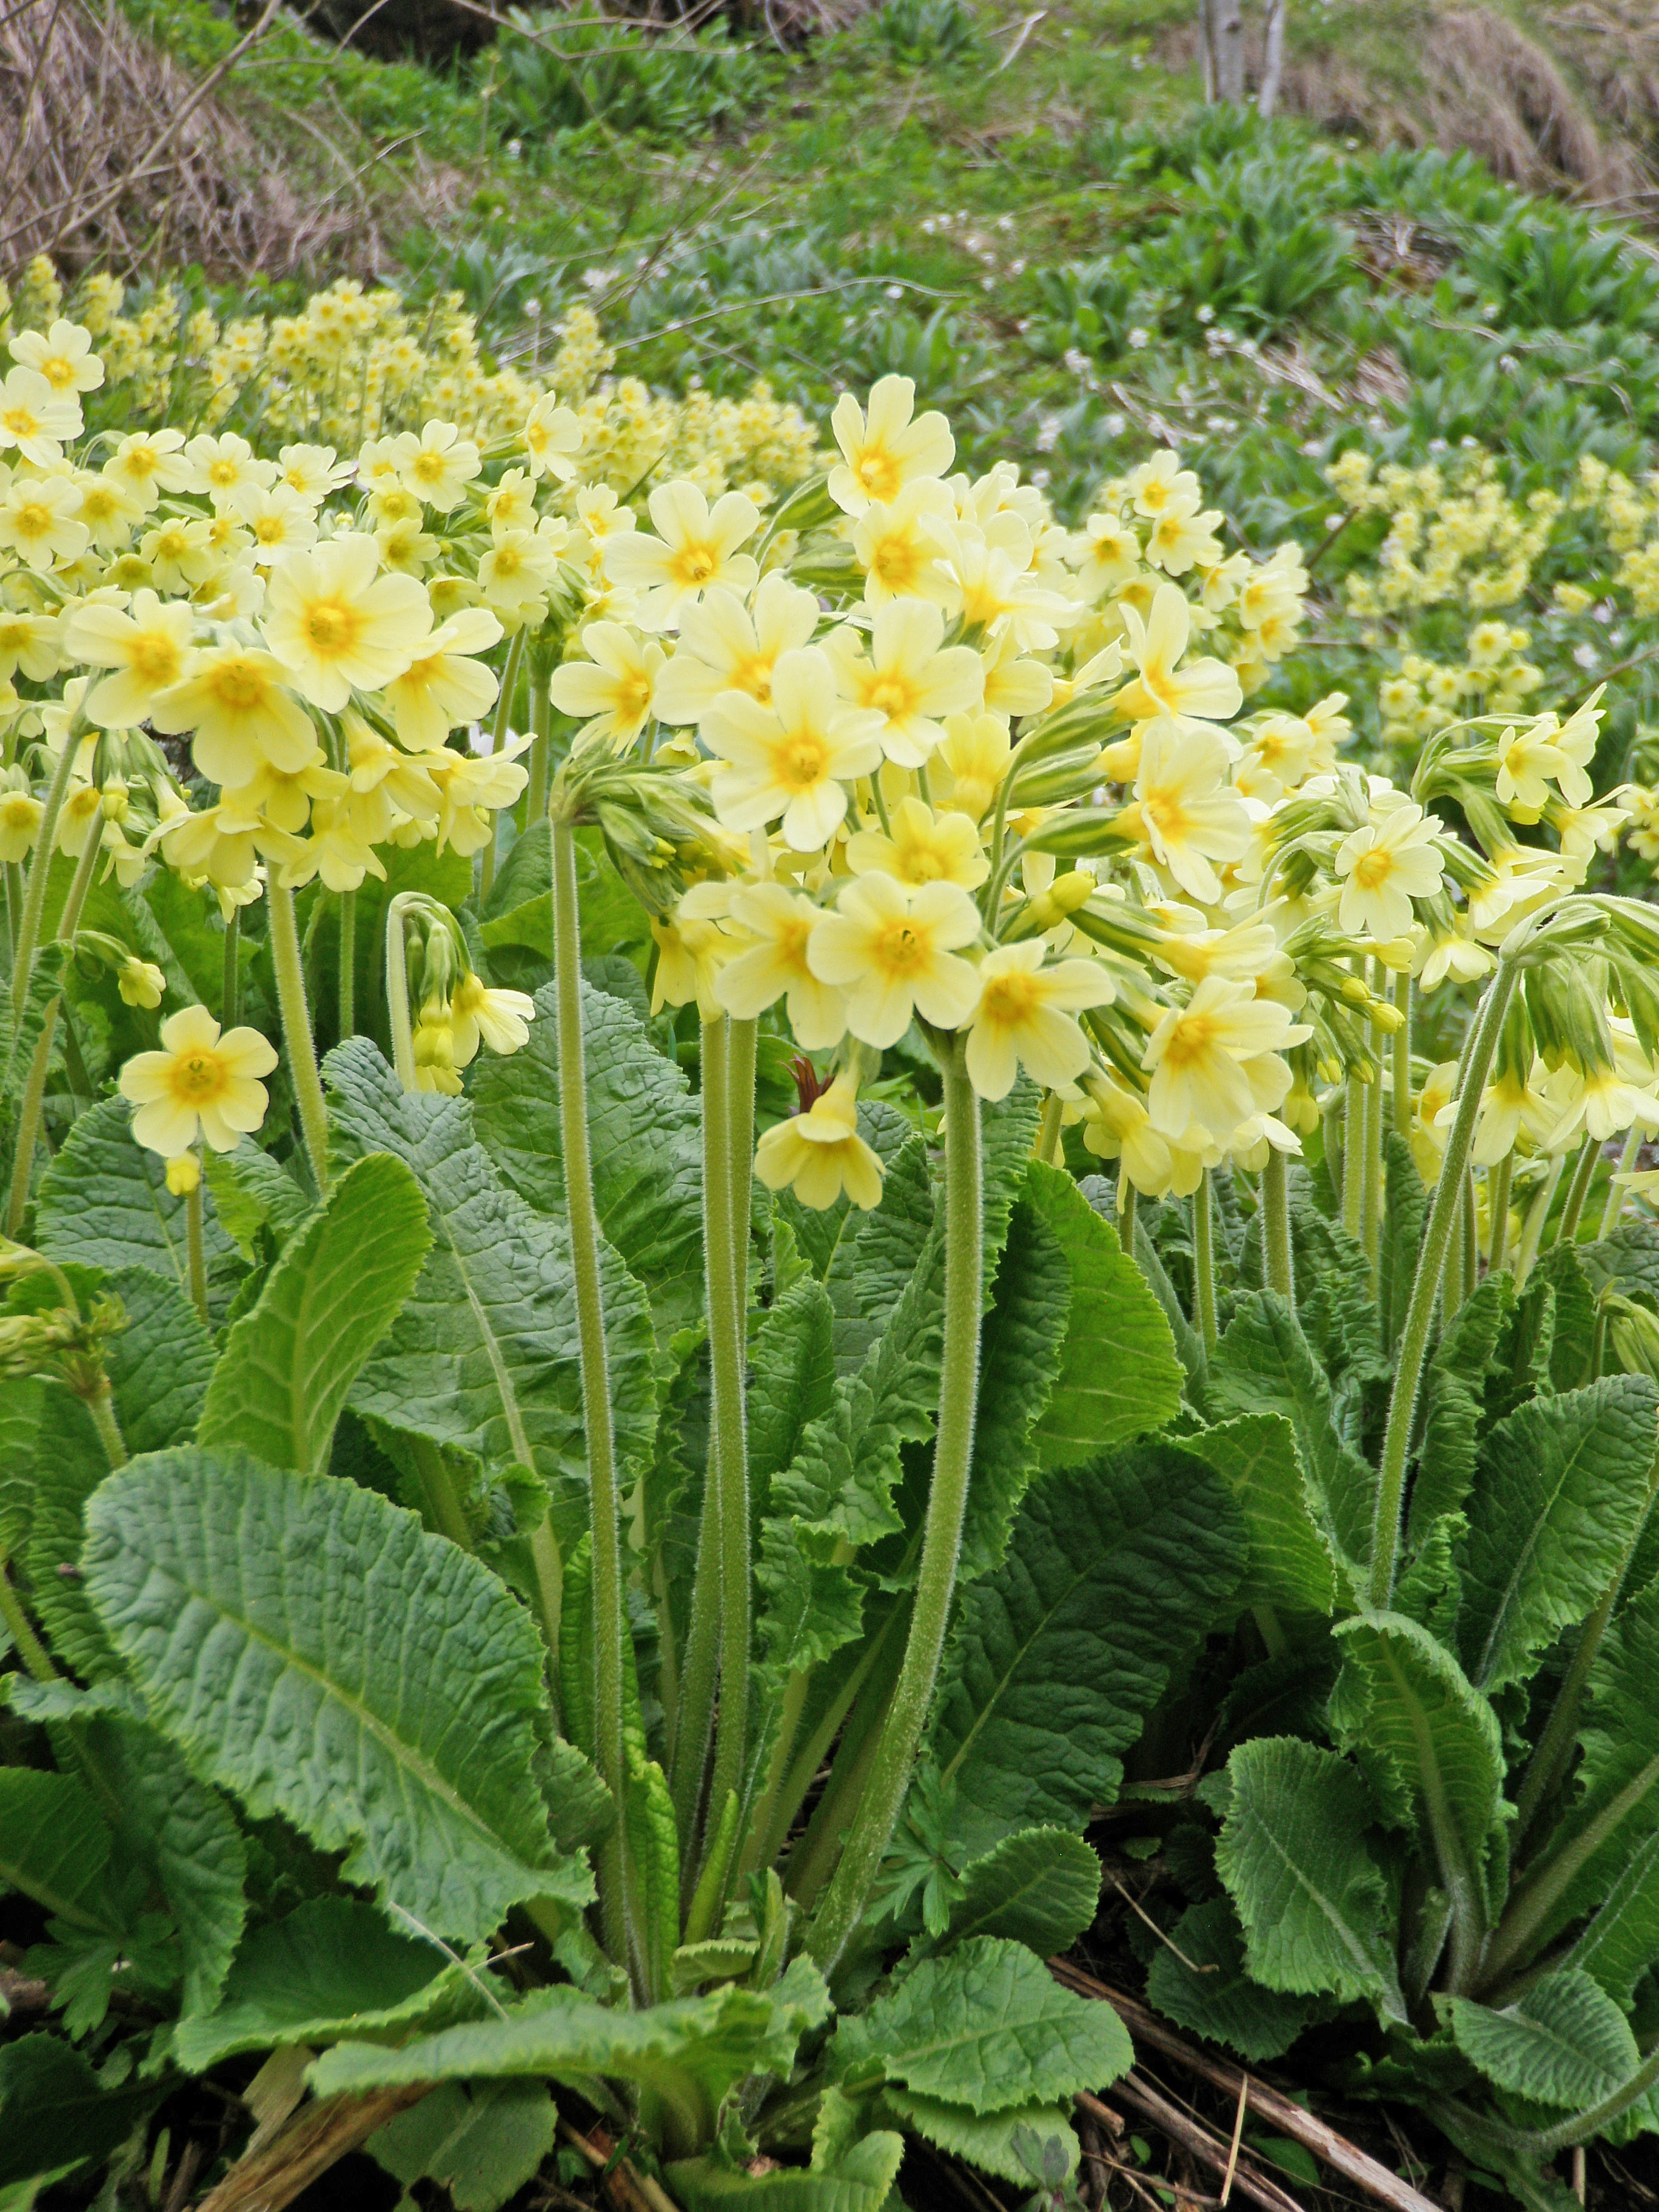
55	2113
1256	1455
1039	1887
283	1375
1564	2042
1454	1403
482	2147
318	1655
104	1202
1215	1995
991	2140
55	1847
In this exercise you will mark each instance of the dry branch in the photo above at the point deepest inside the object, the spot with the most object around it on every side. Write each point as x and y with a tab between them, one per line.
305	2146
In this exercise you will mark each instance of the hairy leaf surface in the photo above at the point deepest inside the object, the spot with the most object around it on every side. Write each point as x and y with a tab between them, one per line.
1215	1996
1256	1455
1564	2043
318	1655
1039	1887
104	1202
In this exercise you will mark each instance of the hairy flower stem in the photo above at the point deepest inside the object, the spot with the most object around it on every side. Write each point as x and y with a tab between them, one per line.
728	1120
195	1245
498	739
1204	1261
541	743
1432	1260
1498	1212
1545	1767
34	1089
101	1406
1048	1143
348	965
1572	1211
1370	1195
1278	1266
1531	1229
947	1501
296	1032
14	906
30	1649
34	894
230	988
1632	1145
1354	1155
604	1502
1401	994
1471	1237
398	1019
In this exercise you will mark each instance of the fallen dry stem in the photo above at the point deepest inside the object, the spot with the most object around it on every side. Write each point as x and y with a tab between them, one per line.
1138	2094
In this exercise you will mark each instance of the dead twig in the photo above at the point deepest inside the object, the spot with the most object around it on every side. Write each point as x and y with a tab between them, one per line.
1306	2128
305	2146
1135	2090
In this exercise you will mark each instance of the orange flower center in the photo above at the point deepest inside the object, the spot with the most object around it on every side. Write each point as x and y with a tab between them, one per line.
898	947
332	626
198	1078
803	761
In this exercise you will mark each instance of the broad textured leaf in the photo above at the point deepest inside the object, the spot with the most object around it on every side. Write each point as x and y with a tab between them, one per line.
483	1353
700	2047
104	1202
1256	1455
1113	1574
285	1370
482	2148
1008	1130
705	2185
332	1968
1572	1344
654	1872
158	1365
1559	1495
1316	1907
987	2026
885	1246
1615	1807
1627	1258
1119	1375
644	1130
1263	1364
991	2140
1039	1887
1565	2042
1622	1942
1215	1995
792	1379
318	1655
69	1463
1020	1349
1428	1739
21	1400
54	2112
18	1039
253	1192
1454	1403
55	1847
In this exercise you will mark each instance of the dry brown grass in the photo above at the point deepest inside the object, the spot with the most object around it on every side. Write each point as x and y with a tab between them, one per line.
110	154
1567	96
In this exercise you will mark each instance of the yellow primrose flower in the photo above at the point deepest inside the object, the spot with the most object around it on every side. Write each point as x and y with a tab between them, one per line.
1117	1126
150	650
313	471
438	465
1156	483
512	504
336	849
613	692
1182	537
695	548
199	1085
180	552
1022	1018
897	542
974	759
335	622
551	434
441	687
242	717
1013	683
821	1154
691	948
147	463
470	787
107	511
1199	1057
38	519
790	759
499	1020
382	772
893	948
140	982
906	679
724	646
37	420
517	572
1428	1136
1108	553
885	450
222	467
279	521
1384	865
1188	812
1206	690
29	640
923	848
773	965
62	354
434	1053
20	814
184	1174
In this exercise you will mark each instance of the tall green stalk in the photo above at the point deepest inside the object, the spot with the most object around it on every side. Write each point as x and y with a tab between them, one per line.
1401	1047
1419	1314
27	936
1204	1261
348	964
723	1244
1354	1156
230	988
1498	1210
398	1019
1632	1145
1371	1194
497	738
1278	1266
1531	1229
296	1030
1572	1210
604	1501
878	1811
541	742
30	1649
33	1100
